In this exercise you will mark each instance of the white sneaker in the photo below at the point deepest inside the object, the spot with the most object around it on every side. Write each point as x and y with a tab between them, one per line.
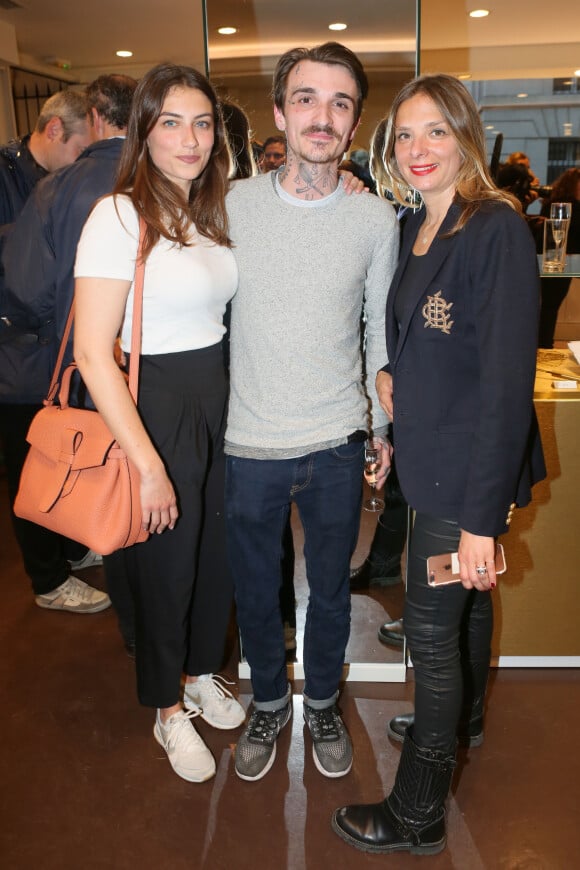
89	560
187	753
213	701
75	596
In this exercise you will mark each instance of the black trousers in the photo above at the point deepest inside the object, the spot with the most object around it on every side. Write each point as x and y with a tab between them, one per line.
180	579
448	630
45	554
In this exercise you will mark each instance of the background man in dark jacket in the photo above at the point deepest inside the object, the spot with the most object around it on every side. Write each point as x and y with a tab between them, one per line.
38	258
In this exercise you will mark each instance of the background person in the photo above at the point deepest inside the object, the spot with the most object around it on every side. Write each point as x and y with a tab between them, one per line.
173	172
566	188
274	153
62	132
461	330
239	136
39	258
534	190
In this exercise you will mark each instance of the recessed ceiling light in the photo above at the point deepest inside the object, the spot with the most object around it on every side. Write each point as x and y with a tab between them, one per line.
338	25
521	96
489	127
124	53
479	13
227	31
464	76
577	72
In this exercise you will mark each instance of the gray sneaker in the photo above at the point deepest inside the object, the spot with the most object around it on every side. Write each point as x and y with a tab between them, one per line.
256	749
331	745
74	596
89	560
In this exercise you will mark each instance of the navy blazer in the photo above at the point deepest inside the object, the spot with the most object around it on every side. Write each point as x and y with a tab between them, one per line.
463	364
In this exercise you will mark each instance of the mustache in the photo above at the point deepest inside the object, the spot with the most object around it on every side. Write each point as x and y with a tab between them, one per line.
322	128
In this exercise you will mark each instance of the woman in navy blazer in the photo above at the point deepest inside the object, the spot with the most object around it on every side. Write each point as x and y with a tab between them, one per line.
461	328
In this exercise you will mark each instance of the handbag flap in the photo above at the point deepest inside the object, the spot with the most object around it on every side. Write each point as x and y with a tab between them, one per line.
74	436
69	440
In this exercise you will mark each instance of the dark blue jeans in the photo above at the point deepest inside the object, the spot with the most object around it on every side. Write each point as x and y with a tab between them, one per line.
448	631
326	487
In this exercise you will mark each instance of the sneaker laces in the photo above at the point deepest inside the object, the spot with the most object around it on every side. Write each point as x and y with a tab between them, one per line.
172	730
263	726
213	685
75	588
325	724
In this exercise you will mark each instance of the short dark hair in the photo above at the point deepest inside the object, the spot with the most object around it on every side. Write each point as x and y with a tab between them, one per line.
111	96
273	140
329	53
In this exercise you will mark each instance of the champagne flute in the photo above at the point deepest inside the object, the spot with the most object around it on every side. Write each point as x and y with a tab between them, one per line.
373	458
561	211
560	231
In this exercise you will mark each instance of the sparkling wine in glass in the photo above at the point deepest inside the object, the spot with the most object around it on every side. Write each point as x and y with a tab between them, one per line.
560	227
372	464
561	212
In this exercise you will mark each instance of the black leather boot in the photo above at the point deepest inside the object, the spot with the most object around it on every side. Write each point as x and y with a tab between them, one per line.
412	818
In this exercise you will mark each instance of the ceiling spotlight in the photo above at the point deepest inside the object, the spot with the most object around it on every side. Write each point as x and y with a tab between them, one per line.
227	31
464	76
521	96
479	13
489	126
337	26
577	72
124	53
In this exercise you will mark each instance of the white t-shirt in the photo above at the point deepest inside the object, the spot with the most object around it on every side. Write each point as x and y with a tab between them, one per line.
185	291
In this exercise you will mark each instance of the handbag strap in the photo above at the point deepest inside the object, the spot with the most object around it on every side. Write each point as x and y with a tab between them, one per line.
136	324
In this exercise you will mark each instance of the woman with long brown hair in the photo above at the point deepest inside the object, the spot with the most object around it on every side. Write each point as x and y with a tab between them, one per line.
173	173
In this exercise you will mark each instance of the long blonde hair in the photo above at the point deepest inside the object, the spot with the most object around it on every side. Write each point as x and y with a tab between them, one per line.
474	184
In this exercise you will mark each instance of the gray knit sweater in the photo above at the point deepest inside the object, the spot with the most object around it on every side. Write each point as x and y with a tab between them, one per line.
305	274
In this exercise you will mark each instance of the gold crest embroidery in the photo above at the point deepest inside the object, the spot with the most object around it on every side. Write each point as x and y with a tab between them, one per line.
435	311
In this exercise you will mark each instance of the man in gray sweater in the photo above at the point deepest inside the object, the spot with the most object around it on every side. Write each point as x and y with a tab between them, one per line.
311	259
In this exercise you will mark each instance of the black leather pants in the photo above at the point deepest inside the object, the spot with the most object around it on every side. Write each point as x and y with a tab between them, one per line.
448	631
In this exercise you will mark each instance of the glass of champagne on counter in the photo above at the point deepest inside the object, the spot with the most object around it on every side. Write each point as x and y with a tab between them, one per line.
554	254
562	211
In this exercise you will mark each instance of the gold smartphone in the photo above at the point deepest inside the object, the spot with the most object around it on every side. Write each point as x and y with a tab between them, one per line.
444	569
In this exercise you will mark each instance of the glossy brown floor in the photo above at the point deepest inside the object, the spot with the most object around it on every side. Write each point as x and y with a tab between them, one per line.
84	785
